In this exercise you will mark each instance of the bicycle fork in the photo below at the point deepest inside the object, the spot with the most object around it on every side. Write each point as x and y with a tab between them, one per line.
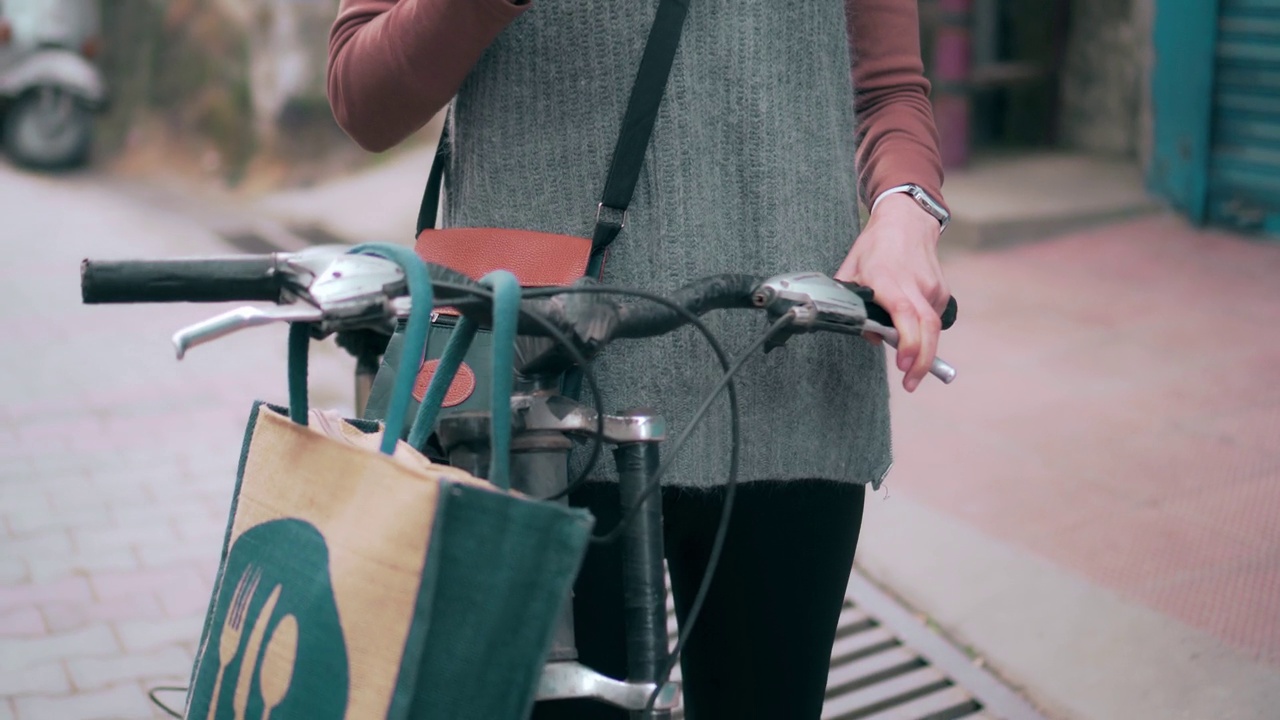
543	425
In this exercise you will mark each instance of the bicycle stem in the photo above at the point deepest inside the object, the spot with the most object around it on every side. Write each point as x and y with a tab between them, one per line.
643	582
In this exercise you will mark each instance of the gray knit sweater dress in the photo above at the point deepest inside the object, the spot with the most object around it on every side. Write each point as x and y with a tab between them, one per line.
751	169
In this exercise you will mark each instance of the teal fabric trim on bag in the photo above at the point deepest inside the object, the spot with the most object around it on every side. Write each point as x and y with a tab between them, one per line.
506	315
206	632
299	347
506	569
405	694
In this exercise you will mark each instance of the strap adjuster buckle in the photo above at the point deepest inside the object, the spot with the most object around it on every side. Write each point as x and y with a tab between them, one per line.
620	215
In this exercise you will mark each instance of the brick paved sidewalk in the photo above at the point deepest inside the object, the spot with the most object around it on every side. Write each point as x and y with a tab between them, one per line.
116	461
1118	413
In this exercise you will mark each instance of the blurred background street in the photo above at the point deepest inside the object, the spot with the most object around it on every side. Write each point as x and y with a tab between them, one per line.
1091	512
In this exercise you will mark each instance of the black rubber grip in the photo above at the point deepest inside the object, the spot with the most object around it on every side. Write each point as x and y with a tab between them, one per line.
210	279
949	313
880	315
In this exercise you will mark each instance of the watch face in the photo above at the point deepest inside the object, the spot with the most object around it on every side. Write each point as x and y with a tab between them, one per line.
931	205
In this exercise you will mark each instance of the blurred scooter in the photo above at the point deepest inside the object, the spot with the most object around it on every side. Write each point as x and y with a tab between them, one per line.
49	86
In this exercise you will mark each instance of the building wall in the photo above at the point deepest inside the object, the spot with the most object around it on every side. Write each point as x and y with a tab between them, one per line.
1144	13
1105	104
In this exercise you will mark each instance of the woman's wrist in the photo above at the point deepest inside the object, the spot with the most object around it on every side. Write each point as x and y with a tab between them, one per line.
929	202
903	212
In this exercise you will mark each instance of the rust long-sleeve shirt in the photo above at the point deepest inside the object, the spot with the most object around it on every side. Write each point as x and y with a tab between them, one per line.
394	63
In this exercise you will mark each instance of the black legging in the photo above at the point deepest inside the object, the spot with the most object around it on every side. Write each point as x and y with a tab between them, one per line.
762	644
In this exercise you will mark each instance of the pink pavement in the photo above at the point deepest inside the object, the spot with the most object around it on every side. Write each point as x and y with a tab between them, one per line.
117	462
1118	413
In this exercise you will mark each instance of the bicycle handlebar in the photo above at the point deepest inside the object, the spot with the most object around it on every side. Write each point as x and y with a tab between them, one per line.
718	292
814	302
726	292
211	279
343	291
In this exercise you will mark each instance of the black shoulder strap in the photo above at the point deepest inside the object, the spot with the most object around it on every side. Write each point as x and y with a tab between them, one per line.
637	124
633	140
430	205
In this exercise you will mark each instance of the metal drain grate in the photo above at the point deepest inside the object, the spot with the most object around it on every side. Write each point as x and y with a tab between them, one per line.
886	665
873	675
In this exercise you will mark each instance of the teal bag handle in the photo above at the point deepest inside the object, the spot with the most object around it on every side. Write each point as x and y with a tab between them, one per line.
506	315
415	344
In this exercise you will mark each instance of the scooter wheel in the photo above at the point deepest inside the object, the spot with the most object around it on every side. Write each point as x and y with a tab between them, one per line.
48	128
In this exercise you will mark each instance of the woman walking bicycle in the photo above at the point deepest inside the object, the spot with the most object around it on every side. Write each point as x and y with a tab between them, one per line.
775	118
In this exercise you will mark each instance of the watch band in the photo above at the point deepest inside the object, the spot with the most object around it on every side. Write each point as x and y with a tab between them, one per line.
922	198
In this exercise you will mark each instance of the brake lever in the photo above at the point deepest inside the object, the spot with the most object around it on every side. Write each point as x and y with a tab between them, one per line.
341	291
940	368
246	317
820	303
879	322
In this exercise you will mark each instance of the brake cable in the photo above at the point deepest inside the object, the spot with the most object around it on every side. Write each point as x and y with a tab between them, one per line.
726	381
722	529
654	482
693	320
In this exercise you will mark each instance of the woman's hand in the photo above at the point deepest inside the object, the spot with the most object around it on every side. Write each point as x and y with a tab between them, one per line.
896	256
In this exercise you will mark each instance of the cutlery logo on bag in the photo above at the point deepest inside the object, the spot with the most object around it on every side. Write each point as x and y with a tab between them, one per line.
274	613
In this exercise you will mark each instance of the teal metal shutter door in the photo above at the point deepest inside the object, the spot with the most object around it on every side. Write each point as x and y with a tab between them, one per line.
1244	161
1181	94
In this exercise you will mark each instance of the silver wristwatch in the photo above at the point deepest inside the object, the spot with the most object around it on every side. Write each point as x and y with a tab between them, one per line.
922	198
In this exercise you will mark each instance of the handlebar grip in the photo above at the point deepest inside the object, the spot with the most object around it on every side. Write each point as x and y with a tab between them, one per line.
949	313
880	315
210	279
